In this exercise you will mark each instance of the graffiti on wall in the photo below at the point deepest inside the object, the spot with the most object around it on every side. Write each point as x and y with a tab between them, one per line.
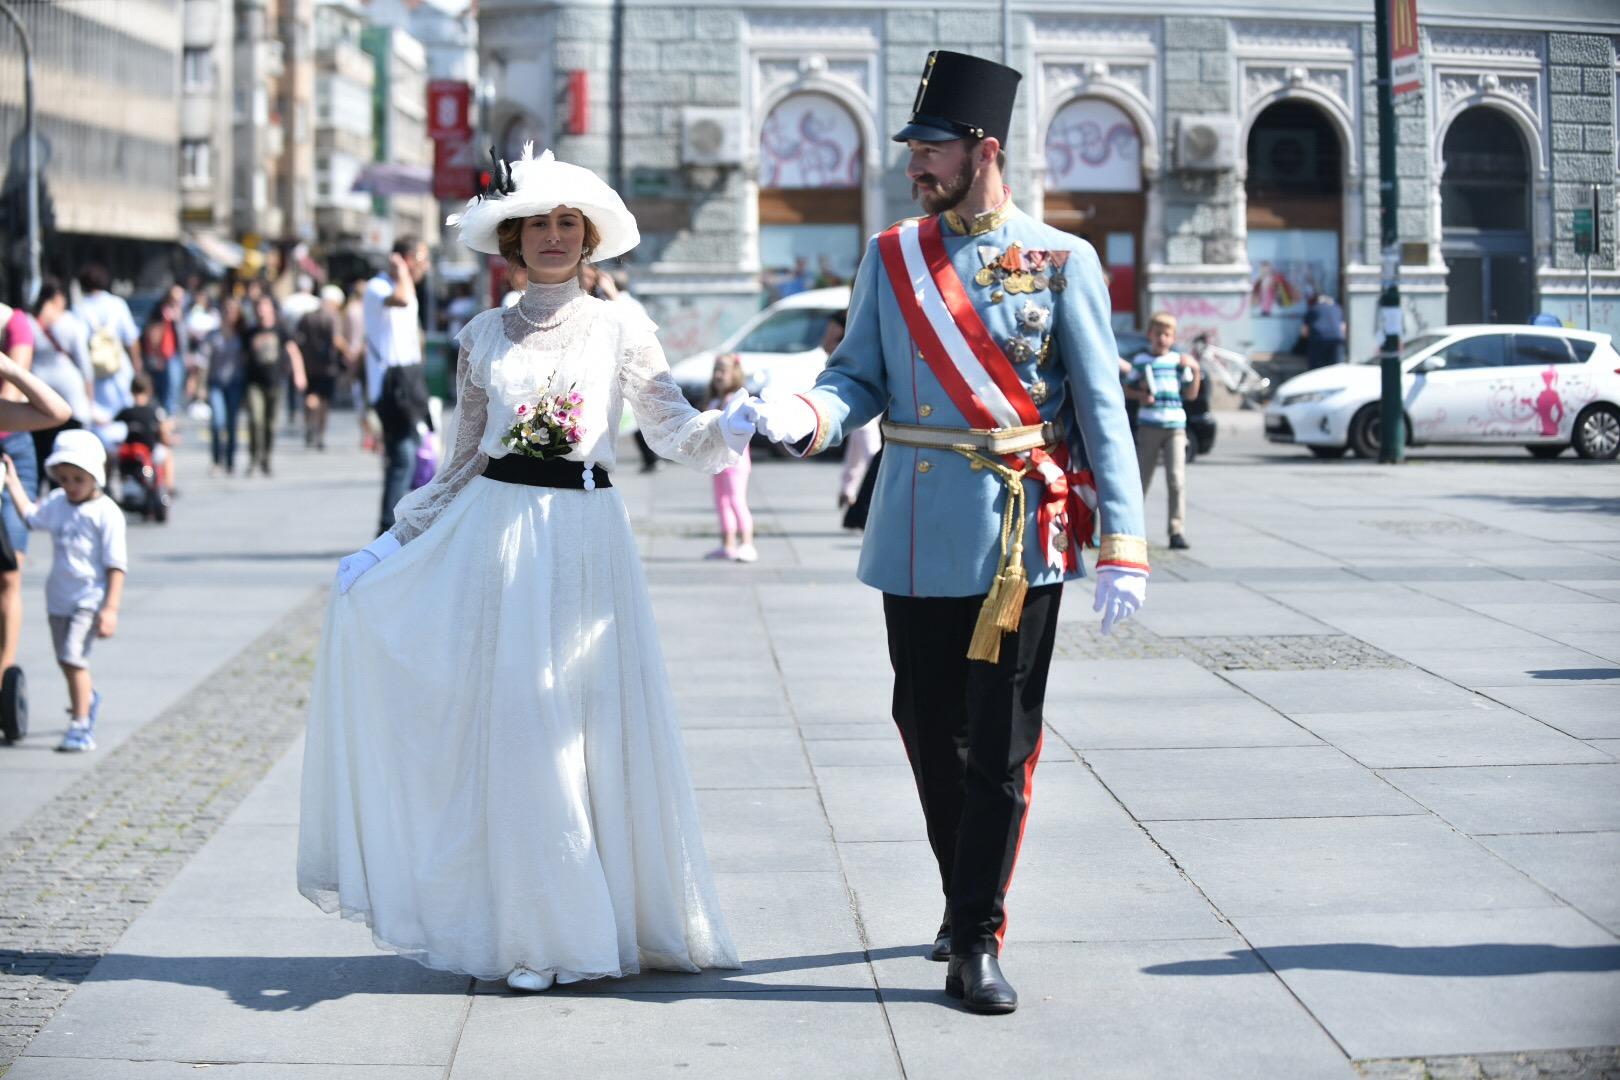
1093	146
809	141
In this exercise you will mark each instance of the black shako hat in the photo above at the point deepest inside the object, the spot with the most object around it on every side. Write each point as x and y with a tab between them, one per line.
960	97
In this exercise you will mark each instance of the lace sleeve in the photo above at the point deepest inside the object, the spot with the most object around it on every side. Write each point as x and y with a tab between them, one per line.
463	461
670	425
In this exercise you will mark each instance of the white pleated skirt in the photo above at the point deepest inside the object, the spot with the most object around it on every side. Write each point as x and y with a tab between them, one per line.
494	776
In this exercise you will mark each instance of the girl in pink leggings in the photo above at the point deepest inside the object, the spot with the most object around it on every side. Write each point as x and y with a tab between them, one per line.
731	485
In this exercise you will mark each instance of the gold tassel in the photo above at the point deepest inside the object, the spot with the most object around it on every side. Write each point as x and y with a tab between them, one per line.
986	643
1010	603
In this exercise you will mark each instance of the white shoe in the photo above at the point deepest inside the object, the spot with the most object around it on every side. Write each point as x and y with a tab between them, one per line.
746	553
532	982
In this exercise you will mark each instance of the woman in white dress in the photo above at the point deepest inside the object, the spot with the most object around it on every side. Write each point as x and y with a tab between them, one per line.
494	779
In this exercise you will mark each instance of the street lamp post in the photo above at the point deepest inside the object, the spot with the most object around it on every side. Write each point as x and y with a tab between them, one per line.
30	156
1392	421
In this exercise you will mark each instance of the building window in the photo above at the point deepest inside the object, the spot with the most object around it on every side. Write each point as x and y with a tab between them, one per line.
1094	190
810	194
197	69
194	162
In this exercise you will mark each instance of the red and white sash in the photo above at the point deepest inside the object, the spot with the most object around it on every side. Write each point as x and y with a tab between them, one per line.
978	377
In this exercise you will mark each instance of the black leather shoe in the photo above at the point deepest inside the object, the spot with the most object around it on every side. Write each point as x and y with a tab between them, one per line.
978	981
941	951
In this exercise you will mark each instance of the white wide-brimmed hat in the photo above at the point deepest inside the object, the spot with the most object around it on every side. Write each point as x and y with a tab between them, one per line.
538	185
82	448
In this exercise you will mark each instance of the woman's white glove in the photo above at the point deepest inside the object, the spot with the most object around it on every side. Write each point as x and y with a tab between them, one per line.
350	568
737	421
786	420
1120	594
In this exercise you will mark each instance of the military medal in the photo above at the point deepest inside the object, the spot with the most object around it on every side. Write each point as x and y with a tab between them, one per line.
1032	317
1012	260
1035	259
1057	281
984	277
1038	391
990	272
1019	349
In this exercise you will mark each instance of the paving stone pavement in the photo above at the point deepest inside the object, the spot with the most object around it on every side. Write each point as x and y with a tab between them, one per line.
75	874
1337	804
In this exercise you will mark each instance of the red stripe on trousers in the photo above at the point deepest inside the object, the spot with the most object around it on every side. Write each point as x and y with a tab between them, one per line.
1029	790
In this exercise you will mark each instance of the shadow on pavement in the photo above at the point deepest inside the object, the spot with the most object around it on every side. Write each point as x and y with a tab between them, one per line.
1577	674
296	983
1433	961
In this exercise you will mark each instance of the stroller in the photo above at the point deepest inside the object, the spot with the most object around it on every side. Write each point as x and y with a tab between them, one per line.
139	489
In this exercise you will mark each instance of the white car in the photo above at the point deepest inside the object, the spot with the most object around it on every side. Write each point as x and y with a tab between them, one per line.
1541	387
780	348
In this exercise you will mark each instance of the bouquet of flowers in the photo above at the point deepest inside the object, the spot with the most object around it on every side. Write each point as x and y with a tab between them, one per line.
549	428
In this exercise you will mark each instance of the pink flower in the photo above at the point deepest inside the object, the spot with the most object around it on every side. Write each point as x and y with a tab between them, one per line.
574	398
523	410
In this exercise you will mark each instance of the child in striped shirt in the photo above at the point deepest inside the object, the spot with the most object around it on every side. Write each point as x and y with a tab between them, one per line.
1156	379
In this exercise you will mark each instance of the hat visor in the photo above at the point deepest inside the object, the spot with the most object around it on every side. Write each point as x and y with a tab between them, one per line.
925	133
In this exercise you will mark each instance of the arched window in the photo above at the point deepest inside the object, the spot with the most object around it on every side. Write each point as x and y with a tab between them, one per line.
1295	189
1094	189
810	176
1093	146
1485	219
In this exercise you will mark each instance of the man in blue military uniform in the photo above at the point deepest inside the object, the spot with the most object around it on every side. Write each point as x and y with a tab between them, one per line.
984	337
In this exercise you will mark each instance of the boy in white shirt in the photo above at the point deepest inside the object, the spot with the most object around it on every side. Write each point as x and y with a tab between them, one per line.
86	583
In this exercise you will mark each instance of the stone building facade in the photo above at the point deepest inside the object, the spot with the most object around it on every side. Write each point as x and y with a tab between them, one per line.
107	101
1225	166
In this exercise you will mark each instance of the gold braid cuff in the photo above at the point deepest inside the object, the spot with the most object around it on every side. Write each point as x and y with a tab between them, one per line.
1117	549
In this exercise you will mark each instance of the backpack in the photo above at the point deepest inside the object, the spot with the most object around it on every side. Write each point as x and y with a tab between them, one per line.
107	353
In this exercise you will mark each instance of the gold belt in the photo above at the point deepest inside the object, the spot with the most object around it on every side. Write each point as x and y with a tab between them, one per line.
1007	440
984	447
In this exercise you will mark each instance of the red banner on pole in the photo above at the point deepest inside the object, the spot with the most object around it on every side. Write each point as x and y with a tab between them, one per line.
1405	67
579	103
449	108
455	167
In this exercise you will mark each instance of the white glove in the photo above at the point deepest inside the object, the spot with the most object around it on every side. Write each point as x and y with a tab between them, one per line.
786	420
350	568
1120	593
737	422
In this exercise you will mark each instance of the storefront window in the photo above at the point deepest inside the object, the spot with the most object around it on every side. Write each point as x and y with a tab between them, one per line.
1295	189
1094	190
810	177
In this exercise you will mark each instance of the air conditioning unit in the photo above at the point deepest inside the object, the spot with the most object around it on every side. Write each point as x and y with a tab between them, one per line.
1205	143
711	136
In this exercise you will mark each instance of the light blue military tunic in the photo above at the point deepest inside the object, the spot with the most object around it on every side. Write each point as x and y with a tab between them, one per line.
935	524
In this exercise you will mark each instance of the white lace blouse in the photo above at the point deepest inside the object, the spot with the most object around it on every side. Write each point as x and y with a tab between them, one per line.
557	339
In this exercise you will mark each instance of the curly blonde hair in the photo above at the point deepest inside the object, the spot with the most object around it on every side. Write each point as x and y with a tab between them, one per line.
509	235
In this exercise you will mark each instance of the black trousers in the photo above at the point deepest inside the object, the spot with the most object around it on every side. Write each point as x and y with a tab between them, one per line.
972	731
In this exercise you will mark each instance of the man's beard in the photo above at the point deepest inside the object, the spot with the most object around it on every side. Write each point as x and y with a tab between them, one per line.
937	197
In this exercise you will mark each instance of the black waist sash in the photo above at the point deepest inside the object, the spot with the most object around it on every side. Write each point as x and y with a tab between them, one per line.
556	473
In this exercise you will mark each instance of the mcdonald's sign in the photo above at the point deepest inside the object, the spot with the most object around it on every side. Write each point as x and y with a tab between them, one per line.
1405	69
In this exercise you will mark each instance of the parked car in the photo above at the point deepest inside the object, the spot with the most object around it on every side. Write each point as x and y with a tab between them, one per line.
780	348
1541	387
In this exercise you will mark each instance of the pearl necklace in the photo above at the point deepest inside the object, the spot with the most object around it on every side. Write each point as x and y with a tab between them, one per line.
563	312
562	315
